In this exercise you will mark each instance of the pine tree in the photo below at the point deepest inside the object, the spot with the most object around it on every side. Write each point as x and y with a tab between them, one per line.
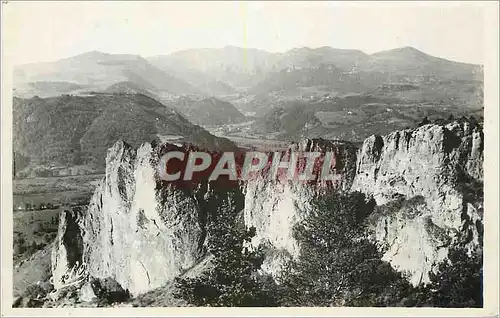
459	282
338	265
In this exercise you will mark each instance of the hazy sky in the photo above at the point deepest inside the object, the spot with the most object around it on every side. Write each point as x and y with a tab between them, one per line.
52	30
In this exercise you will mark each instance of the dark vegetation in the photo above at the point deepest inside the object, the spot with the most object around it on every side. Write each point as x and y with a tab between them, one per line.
338	266
202	81
233	279
263	71
37	203
108	291
327	77
129	87
22	249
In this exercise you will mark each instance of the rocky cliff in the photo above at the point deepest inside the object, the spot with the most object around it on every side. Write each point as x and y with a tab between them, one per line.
135	230
273	208
143	233
439	168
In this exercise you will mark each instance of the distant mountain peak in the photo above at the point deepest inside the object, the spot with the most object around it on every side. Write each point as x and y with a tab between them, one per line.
243	49
300	49
96	52
411	49
98	55
91	54
405	50
408	48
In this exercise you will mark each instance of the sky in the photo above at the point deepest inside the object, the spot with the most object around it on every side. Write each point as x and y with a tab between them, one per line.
46	31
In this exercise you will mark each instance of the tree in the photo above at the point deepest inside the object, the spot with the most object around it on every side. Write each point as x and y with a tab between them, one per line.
19	245
233	281
338	265
458	282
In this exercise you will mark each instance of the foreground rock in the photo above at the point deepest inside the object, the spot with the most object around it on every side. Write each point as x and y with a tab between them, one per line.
135	230
142	233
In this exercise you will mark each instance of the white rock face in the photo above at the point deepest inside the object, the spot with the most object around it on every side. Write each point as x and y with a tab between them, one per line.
130	231
428	163
423	166
273	208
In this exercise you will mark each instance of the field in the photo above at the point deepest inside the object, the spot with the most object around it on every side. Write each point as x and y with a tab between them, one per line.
37	203
33	230
56	184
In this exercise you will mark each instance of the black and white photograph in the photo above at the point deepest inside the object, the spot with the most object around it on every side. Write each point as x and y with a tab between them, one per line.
249	154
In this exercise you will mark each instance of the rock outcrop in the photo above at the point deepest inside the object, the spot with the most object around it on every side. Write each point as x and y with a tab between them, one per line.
142	233
134	230
438	166
274	207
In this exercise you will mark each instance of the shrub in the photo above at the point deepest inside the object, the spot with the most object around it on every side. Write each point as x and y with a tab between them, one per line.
108	291
19	245
233	281
457	284
337	266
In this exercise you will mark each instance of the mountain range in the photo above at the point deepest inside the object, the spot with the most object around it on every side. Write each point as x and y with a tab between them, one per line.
244	68
226	70
425	186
